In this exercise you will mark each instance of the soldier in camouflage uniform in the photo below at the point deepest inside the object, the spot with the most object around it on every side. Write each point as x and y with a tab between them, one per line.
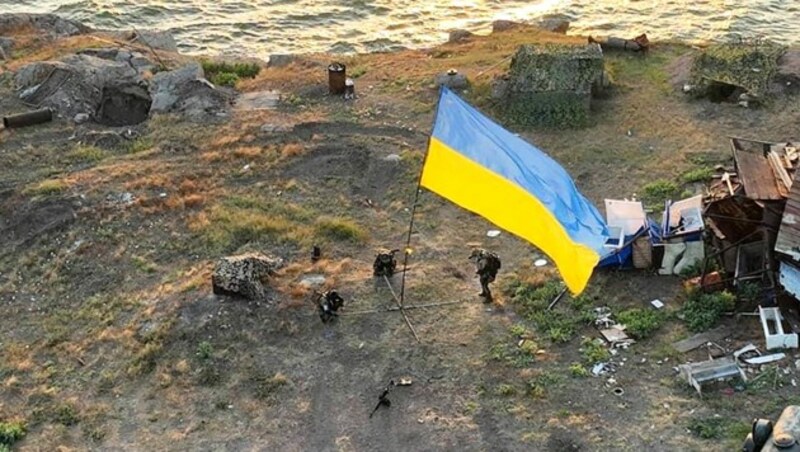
385	263
487	264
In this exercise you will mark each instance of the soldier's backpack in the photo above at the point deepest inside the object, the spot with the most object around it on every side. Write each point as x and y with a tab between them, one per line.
493	262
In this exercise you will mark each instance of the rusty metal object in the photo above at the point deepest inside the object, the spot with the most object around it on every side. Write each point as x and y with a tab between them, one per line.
28	119
337	78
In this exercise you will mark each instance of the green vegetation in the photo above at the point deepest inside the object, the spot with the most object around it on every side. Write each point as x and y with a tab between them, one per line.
640	323
701	311
538	385
204	350
240	220
66	414
697	175
513	353
227	74
719	428
659	191
10	433
506	390
87	154
578	371
266	387
594	351
340	230
140	144
46	188
558	325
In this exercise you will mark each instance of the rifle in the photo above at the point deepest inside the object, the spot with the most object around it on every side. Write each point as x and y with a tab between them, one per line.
383	399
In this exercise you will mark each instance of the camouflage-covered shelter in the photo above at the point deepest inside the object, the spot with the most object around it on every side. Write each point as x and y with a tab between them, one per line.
551	84
721	70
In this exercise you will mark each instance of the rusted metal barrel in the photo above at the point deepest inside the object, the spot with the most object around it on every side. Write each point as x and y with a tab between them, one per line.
28	119
337	76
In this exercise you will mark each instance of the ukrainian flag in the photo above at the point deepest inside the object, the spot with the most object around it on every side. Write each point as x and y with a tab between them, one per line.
480	166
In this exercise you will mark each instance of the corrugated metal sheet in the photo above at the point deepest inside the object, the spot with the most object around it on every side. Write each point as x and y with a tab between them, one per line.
789	234
756	175
790	279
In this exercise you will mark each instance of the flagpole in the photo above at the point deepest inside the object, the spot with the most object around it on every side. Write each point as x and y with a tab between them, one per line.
407	250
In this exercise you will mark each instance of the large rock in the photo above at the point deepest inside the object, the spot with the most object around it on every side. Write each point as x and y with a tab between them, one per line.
134	59
49	24
161	40
244	275
504	25
187	92
459	35
73	85
557	23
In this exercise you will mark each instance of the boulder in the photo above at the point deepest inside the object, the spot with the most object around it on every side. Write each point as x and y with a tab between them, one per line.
244	275
134	59
280	60
187	92
459	35
504	25
161	40
452	80
557	23
73	85
49	24
80	118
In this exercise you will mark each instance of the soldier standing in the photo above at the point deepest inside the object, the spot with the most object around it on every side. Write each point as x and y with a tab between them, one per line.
487	264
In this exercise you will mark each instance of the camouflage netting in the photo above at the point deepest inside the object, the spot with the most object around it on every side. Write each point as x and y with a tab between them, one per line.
551	85
750	66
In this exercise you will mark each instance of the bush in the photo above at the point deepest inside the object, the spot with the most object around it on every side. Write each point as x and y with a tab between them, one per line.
66	414
697	175
719	428
641	323
224	79
578	371
11	432
204	350
539	384
594	351
660	191
701	311
227	74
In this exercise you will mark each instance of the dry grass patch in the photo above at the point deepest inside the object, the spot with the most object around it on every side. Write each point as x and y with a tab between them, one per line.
46	188
292	150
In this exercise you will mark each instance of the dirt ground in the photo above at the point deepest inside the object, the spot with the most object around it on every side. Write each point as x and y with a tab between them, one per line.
112	339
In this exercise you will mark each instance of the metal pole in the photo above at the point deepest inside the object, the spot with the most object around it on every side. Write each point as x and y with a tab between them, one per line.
414	207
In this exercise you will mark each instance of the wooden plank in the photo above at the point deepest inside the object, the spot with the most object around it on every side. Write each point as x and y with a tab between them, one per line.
756	175
698	340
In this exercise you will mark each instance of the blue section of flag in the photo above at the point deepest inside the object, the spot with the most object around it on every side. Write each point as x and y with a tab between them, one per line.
467	131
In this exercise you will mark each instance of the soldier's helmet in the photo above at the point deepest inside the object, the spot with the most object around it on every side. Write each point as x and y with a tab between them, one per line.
476	253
